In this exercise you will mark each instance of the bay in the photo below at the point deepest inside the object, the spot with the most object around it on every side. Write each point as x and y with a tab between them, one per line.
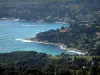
11	31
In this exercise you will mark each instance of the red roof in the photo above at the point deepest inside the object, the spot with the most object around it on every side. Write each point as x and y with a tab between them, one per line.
97	33
87	25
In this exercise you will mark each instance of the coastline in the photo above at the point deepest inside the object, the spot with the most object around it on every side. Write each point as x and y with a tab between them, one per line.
37	21
61	46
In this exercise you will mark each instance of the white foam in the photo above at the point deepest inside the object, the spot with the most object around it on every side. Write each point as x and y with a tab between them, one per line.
16	20
31	25
4	18
3	35
77	52
62	46
22	40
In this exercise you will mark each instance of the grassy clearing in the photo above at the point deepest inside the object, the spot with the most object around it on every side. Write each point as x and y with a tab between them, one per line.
85	57
55	57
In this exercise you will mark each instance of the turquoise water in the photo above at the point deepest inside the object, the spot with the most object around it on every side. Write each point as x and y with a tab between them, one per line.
12	30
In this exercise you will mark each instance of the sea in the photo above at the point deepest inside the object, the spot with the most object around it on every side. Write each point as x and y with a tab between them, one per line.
13	33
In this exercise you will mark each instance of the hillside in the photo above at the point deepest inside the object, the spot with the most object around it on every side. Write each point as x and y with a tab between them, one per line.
49	10
74	12
84	36
33	63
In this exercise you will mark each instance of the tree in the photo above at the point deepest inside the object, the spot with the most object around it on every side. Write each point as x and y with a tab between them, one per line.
33	71
48	68
66	72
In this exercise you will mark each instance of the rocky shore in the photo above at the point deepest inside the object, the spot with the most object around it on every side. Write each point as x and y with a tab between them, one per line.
62	46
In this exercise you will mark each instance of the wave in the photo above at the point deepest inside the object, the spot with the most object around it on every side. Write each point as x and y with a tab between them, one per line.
16	20
22	40
31	25
77	52
62	46
4	18
3	35
10	19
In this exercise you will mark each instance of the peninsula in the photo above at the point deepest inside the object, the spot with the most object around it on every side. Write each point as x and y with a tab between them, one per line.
82	36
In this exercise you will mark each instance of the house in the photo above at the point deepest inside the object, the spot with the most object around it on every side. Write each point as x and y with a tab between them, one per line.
64	30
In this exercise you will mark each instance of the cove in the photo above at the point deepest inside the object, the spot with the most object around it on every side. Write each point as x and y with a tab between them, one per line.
11	31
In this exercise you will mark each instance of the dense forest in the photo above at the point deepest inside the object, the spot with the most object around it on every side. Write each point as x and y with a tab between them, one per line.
49	10
83	34
33	63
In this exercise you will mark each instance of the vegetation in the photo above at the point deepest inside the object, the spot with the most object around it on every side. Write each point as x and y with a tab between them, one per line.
33	63
55	10
89	58
82	35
